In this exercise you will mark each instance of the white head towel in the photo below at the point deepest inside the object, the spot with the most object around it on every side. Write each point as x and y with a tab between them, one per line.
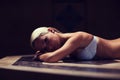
37	32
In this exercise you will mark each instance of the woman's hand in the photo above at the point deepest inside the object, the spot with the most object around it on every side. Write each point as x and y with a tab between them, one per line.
46	57
37	54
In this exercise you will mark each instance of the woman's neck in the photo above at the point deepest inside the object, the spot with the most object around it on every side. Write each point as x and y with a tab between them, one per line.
64	37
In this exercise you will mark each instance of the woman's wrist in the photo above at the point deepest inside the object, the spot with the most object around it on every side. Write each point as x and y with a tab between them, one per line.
36	56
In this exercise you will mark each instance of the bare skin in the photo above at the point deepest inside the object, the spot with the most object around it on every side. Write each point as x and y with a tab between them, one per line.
62	44
109	49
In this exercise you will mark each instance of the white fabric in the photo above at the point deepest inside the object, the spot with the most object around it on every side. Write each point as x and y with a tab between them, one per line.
37	32
89	52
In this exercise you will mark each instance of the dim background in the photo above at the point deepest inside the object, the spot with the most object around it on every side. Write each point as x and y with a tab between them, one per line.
18	18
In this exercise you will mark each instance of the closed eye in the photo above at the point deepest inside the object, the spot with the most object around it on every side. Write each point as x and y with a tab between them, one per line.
46	40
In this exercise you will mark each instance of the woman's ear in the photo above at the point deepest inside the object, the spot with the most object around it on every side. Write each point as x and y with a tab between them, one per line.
51	29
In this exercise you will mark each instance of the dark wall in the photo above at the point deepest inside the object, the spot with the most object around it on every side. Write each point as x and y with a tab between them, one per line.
104	18
18	18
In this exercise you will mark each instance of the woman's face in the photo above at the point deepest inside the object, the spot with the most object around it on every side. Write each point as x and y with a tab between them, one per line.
48	42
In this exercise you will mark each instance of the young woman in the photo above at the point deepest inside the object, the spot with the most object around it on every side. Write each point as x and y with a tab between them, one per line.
52	45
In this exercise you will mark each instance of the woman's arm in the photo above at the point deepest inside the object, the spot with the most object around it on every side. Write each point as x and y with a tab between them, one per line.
77	40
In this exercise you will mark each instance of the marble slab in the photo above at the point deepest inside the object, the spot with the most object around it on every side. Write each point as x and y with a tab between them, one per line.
101	69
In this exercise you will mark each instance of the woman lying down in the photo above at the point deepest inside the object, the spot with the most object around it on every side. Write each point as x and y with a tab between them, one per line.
51	45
